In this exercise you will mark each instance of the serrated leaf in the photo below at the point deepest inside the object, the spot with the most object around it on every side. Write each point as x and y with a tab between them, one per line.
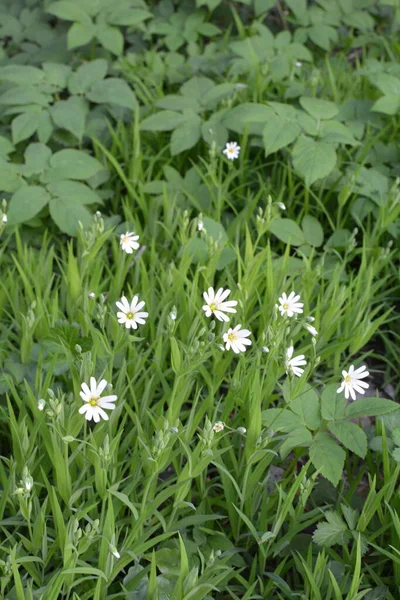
351	436
306	407
298	438
333	405
328	457
313	232
71	115
279	133
279	419
87	75
287	231
74	164
186	136
251	116
112	91
318	108
26	203
333	532
67	214
165	120
312	159
370	407
197	87
74	190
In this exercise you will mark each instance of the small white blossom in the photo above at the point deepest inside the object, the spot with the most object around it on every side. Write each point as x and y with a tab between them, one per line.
129	242
352	382
289	305
4	219
41	404
172	315
265	349
218	427
200	225
216	305
237	339
311	330
92	295
130	314
281	205
94	405
293	364
298	63
232	150
241	430
114	551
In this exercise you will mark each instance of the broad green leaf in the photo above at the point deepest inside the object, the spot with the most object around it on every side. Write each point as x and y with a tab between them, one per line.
306	407
80	34
298	438
313	159
26	203
123	15
6	147
211	99
19	95
335	531
215	230
75	164
389	105
10	177
318	108
71	115
165	120
227	256
24	126
78	192
110	38
197	87
37	157
197	249
176	102
45	127
68	10
21	74
287	231
339	239
334	132
87	75
328	457
388	85
186	136
56	75
323	36
313	232
250	116
333	405
351	436
279	133
279	419
112	91
67	213
370	407
261	6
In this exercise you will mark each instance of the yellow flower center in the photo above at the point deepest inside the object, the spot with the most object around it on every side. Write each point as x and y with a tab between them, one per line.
348	379
213	306
124	238
231	337
129	315
93	401
285	306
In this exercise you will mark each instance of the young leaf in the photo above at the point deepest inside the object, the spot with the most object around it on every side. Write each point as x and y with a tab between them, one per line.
351	436
370	407
328	457
333	532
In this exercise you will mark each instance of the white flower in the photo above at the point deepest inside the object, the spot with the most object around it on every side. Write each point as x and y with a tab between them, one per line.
114	551
281	205
172	315
241	430
311	330
41	404
4	218
298	63
92	295
130	314
94	404
293	364
231	150
352	381
200	225
237	339
218	427
216	304
289	305
265	349
129	242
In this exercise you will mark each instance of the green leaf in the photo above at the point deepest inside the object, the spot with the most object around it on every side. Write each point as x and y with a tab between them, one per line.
388	85
333	405
71	115
110	38
45	127
165	120
6	147
211	99
351	436
313	159
37	157
334	132
287	231
56	74
112	91
186	136
279	419
370	407
328	457
306	407
122	15
26	203
298	438
24	126
227	256
20	95
78	192
323	36
70	11
67	213
262	6
74	164
197	87
176	102
248	116
319	109
21	74
86	75
389	105
333	532
313	232
279	133
80	34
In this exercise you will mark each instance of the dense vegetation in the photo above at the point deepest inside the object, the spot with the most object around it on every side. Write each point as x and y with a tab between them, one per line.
150	151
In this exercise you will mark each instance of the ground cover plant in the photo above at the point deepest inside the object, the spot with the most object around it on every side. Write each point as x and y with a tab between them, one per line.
199	300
